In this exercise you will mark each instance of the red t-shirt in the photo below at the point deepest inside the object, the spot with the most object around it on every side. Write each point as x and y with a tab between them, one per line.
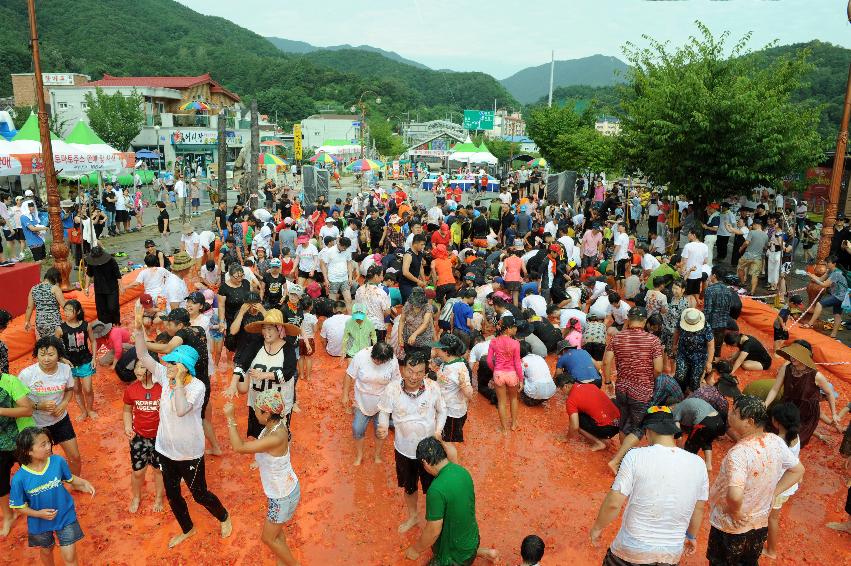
484	180
588	399
400	196
635	351
145	404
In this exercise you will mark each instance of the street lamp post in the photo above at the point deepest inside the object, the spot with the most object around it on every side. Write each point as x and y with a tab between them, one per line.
58	248
360	104
160	158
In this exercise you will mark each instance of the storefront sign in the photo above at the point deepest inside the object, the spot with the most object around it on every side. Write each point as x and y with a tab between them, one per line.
297	141
429	152
57	79
204	137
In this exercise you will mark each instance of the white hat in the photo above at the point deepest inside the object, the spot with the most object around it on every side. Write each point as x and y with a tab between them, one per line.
28	193
288	220
692	320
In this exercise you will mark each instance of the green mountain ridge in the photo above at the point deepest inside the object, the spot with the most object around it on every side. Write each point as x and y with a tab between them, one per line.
529	84
301	47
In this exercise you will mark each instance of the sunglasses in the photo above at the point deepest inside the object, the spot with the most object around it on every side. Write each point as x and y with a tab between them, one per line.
658	409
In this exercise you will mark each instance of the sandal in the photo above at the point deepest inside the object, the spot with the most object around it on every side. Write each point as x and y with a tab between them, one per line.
805	325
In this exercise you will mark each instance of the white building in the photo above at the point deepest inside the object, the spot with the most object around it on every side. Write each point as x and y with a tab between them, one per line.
526	144
608	125
321	128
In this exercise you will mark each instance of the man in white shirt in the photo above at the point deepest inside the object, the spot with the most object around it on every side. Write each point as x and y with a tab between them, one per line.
535	302
330	230
538	384
435	215
551	227
621	257
180	195
122	217
695	254
419	411
307	259
657	524
175	291
190	242
152	278
332	332
338	269
568	244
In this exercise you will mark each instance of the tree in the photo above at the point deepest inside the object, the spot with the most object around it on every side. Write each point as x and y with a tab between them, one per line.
709	123
569	141
115	118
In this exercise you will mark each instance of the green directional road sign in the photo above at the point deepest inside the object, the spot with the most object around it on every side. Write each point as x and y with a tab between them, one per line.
478	119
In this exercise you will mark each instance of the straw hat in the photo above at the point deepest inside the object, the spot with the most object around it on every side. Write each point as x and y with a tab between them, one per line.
797	352
181	261
100	329
692	320
275	318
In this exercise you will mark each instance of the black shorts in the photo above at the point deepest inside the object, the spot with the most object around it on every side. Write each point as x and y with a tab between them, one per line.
511	286
780	334
7	461
408	471
122	216
453	430
39	253
704	434
62	431
303	274
143	453
743	549
621	267
587	424
443	292
693	286
19	234
596	349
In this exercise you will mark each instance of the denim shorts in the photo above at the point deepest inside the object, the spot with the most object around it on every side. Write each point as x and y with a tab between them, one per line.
832	302
67	536
83	370
282	510
360	422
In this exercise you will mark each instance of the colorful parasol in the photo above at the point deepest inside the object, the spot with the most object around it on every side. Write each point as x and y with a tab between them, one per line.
365	165
194	105
538	162
272	143
270	159
323	157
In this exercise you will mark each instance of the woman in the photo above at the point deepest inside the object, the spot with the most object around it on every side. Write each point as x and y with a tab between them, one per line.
694	346
104	271
416	324
138	211
504	359
280	483
47	300
232	294
51	387
671	318
802	386
513	271
752	354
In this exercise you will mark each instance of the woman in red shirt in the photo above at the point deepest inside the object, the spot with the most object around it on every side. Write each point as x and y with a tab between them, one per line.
442	236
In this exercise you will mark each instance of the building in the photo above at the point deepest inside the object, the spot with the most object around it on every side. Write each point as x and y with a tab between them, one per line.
507	123
526	144
422	132
608	125
190	135
318	128
23	85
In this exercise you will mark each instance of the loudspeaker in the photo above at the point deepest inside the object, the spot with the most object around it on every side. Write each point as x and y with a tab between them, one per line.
567	191
323	182
309	179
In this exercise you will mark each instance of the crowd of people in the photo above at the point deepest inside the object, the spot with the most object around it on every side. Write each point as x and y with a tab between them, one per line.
425	306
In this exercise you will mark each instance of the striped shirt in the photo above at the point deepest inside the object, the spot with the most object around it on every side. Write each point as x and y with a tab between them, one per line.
635	351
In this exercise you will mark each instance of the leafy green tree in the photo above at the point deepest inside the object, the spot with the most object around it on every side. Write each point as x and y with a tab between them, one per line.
115	118
708	122
568	140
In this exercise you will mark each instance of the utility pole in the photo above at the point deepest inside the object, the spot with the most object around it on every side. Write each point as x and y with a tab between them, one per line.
254	162
223	157
58	247
552	69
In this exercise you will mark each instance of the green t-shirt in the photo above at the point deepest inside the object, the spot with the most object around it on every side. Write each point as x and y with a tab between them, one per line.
395	296
451	498
760	389
661	271
495	209
356	336
11	389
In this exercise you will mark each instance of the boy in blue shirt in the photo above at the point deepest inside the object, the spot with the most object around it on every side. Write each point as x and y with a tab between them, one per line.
38	493
462	316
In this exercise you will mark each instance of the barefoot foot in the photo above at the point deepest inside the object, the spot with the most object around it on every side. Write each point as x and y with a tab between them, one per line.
408	525
769	555
93	415
377	459
843	527
296	408
134	505
489	554
515	426
598	446
213	451
158	506
358	460
227	528
177	539
7	524
82	416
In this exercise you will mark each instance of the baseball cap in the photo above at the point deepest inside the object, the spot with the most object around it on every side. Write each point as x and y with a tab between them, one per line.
150	244
660	420
178	315
637	313
358	311
197	297
275	262
295	289
146	301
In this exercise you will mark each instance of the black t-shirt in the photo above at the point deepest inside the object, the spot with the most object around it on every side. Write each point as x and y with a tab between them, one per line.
76	342
105	276
109	200
233	218
161	220
375	227
843	257
196	337
221	218
546	333
234	297
274	288
756	351
414	269
480	228
292	316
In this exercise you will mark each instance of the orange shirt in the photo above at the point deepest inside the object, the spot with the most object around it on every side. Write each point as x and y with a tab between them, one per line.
443	268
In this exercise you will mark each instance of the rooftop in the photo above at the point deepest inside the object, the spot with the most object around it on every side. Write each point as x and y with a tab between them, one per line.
333	117
178	83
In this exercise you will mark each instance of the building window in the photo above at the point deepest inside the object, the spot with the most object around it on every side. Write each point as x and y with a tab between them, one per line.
62	105
84	105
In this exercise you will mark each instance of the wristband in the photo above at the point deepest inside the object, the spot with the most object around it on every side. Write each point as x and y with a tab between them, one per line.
690	537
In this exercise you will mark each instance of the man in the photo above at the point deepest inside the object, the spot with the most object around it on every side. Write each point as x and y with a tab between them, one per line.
151	250
723	234
190	242
658	524
377	230
419	411
220	220
638	358
536	303
451	529
180	193
416	228
577	363
33	229
592	246
838	247
163	226
717	299
195	197
338	270
754	250
621	256
695	255
710	229
329	230
757	469
108	201
592	414
413	267
835	284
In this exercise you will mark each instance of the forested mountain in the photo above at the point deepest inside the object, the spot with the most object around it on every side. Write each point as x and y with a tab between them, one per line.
533	82
163	37
301	47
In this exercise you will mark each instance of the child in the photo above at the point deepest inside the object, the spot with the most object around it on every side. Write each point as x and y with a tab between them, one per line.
262	262
359	332
141	420
287	263
38	493
532	550
786	418
79	342
781	327
478	317
308	331
453	376
209	276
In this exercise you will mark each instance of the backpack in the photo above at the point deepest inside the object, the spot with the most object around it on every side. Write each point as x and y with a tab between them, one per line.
735	304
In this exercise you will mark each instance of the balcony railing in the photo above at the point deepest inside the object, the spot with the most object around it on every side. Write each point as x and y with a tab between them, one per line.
191	120
153	120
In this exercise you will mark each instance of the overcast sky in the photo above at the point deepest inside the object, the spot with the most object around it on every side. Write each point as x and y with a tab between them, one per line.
501	37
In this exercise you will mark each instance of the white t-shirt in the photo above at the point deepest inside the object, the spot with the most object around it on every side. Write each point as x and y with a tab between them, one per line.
272	362
153	280
180	438
120	201
479	351
600	307
47	387
192	244
538	381
599	289
370	380
352	234
414	418
566	314
796	451
621	241
332	331
175	290
367	262
695	255
337	263
307	257
537	303
551	228
568	244
450	377
649	262
663	486
206	238
329	230
180	188
618	313
435	215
